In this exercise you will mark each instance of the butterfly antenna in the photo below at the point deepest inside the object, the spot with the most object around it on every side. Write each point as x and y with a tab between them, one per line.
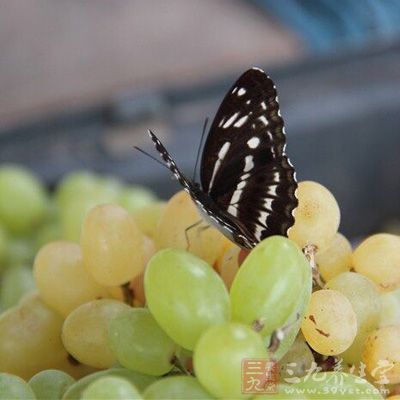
199	149
149	155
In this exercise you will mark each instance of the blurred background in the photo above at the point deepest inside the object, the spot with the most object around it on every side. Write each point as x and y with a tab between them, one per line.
81	81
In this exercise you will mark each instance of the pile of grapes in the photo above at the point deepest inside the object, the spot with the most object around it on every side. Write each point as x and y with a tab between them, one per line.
104	294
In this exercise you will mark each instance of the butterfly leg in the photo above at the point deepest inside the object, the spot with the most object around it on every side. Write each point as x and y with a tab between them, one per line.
197	223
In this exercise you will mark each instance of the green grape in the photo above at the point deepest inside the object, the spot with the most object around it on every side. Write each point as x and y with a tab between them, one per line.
390	303
50	384
21	251
16	282
297	361
271	285
140	344
3	247
378	258
23	200
85	332
15	388
185	295
317	216
134	198
335	385
110	387
140	381
334	259
62	281
112	245
330	324
176	387
381	354
365	300
219	354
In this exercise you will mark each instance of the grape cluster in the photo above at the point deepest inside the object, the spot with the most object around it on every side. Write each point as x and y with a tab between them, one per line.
123	303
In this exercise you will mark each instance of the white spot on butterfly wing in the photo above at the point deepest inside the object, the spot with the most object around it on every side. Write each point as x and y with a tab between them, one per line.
234	90
221	155
240	121
264	120
268	204
253	142
230	121
272	190
241	92
263	105
232	210
249	164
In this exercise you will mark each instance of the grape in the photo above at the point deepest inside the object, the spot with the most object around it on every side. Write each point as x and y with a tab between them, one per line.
317	216
334	259
13	387
381	354
219	354
330	324
179	214
365	300
185	295
62	281
110	387
378	258
22	199
50	384
140	381
112	245
297	361
3	247
85	332
272	283
49	232
335	385
134	198
21	251
147	217
140	344
176	387
16	282
30	340
390	303
229	265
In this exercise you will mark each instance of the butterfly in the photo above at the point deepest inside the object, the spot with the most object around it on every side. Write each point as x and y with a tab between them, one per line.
247	183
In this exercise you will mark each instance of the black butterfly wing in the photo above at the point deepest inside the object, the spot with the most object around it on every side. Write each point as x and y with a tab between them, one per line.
244	168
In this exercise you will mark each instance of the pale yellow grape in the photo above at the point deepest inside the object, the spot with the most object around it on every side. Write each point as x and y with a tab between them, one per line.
390	303
62	281
365	300
334	259
147	217
317	216
381	354
229	265
330	323
112	245
30	340
179	214
297	361
14	388
85	332
378	258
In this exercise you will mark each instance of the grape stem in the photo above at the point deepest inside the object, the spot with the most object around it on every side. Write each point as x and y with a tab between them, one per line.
309	251
279	334
178	364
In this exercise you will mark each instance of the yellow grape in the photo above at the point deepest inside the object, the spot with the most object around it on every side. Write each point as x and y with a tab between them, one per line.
179	214
378	258
334	259
112	245
229	265
30	340
381	354
85	332
147	217
317	216
62	281
330	323
390	303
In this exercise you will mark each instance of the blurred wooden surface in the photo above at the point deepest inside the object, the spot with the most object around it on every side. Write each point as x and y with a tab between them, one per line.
63	54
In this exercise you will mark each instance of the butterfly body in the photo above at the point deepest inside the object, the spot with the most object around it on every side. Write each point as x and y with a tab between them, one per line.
247	183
